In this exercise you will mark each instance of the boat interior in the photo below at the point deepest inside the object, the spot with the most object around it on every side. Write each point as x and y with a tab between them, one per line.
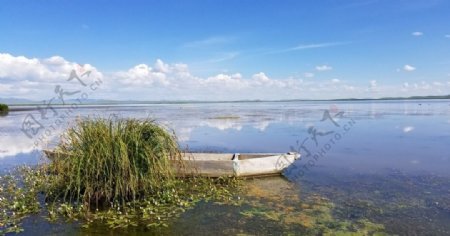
224	156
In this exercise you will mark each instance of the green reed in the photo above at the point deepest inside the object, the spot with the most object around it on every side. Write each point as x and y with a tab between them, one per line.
108	160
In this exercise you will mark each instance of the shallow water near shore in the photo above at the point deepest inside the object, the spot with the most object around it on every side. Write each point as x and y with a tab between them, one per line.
367	166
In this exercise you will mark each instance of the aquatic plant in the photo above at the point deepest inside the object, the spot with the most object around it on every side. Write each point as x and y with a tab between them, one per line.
117	172
113	160
4	109
18	199
311	215
22	195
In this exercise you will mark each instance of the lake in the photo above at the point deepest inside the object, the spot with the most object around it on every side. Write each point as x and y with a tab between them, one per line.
367	165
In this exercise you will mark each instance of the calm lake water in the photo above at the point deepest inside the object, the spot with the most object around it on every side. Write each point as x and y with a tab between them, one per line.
383	162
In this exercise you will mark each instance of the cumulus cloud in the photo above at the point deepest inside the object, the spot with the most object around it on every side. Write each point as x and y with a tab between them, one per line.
349	88
308	75
25	77
373	86
260	77
34	78
417	33
144	75
178	83
43	70
323	68
437	83
409	68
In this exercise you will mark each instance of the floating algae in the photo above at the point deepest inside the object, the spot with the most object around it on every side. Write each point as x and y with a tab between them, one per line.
226	117
276	200
405	203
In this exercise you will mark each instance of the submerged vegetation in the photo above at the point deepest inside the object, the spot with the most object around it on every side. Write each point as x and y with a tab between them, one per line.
4	109
278	203
116	172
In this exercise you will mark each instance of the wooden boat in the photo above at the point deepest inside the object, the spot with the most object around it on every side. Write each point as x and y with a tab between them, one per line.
237	164
228	164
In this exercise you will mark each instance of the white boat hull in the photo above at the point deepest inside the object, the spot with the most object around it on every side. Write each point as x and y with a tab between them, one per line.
249	164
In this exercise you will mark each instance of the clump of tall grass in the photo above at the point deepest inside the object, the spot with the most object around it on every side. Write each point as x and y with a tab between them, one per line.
4	109
113	160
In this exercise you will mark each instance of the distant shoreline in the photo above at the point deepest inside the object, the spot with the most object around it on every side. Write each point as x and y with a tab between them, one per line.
102	102
107	103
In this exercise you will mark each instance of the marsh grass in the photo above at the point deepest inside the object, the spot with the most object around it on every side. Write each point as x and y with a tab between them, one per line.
113	160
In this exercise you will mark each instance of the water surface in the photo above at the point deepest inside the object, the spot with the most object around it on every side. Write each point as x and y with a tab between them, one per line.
386	162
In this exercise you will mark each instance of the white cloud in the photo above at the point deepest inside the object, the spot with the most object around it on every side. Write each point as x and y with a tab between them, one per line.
417	33
43	70
143	75
409	68
261	77
310	46
211	41
323	68
231	81
36	79
373	86
308	75
349	88
160	66
24	77
436	83
318	45
223	57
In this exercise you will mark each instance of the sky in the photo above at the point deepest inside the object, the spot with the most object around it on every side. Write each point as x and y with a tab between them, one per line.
225	50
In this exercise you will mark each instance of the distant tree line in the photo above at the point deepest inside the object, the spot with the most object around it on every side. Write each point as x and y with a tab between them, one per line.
4	109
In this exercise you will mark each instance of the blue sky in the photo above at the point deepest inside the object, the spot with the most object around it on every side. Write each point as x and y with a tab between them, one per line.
244	49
